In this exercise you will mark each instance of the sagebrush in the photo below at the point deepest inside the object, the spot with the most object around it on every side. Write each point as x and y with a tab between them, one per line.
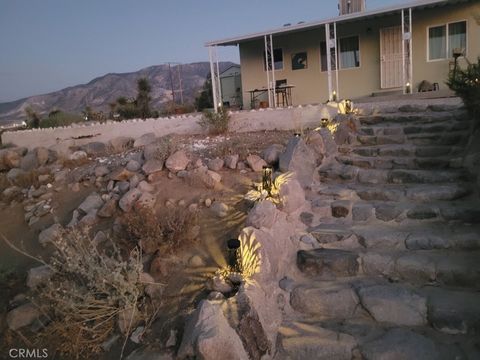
215	122
466	84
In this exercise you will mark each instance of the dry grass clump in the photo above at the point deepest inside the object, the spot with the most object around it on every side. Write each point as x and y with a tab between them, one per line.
89	290
166	231
215	122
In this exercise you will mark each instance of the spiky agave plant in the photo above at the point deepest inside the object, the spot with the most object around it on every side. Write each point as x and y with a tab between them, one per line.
258	193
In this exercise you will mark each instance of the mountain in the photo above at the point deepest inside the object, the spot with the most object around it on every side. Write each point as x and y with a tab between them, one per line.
103	90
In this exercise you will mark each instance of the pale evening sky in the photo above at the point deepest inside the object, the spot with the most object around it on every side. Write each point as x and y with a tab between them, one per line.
46	45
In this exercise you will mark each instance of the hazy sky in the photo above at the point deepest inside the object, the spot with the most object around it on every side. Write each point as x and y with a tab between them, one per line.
46	45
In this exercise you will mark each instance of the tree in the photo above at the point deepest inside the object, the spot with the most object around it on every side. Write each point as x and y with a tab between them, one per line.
33	120
143	98
205	99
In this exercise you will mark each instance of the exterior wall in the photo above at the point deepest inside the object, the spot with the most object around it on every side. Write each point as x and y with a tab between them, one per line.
230	81
311	85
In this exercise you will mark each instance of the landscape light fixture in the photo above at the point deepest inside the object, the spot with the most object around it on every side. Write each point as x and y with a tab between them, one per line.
334	95
457	52
348	106
267	181
297	134
324	122
233	252
408	88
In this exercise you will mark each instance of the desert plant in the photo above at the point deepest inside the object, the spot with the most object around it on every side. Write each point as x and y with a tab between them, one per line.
90	290
205	99
167	231
215	122
33	119
259	194
143	98
466	84
58	118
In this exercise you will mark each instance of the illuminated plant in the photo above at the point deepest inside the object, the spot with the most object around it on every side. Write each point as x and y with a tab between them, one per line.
250	257
259	193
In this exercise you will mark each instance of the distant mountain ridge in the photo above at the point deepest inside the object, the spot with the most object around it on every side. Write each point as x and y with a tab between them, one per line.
101	91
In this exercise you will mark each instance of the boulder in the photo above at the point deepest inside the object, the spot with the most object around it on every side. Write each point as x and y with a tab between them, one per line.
263	214
128	200
10	158
90	218
29	162
78	155
38	275
177	161
231	161
152	166
121	143
95	148
48	235
133	166
208	335
272	153
322	143
101	170
43	155
144	140
291	195
255	162
203	176
22	316
107	210
144	186
93	201
14	174
299	158
218	283
215	164
220	209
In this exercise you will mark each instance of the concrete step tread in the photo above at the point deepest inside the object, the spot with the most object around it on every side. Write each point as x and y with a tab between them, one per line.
413	117
410	129
405	162
445	138
402	150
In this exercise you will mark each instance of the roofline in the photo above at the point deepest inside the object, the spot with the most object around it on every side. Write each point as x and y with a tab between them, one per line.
342	18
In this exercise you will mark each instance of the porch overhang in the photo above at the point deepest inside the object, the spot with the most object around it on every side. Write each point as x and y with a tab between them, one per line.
365	15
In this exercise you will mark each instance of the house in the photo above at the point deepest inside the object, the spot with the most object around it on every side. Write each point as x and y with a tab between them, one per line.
231	86
357	53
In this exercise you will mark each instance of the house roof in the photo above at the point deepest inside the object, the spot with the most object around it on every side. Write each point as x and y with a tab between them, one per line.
420	4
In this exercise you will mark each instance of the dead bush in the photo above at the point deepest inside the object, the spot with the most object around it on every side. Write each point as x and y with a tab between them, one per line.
167	231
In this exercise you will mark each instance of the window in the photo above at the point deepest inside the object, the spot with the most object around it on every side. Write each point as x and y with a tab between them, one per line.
348	52
277	60
441	46
299	61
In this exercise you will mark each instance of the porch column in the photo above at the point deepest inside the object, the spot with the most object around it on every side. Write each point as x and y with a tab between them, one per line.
215	77
267	65
270	70
332	59
407	64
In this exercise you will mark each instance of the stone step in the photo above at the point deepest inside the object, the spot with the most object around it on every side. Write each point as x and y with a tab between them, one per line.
441	267
413	118
394	129
306	338
450	138
435	236
402	150
447	310
327	263
339	172
388	162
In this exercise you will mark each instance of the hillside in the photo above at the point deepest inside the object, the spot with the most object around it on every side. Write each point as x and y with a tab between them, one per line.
103	90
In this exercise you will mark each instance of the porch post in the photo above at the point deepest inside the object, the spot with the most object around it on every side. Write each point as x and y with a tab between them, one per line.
212	78
274	85
329	60
407	64
336	59
267	52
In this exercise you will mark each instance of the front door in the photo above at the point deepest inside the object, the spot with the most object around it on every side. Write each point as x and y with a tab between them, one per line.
391	57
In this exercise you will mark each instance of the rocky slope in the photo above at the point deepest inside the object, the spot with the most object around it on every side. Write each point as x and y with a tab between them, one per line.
103	90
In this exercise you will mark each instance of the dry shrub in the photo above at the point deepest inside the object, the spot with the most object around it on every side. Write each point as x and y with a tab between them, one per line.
167	231
215	122
88	291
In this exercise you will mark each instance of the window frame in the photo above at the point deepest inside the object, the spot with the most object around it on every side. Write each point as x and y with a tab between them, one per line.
306	60
447	41
283	60
340	67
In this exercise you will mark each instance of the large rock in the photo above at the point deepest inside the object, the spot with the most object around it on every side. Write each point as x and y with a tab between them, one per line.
220	209
42	155
255	162
394	304
144	140
78	155
328	262
292	196
121	143
401	344
93	201
208	335
107	210
95	148
29	162
14	174
231	161
101	170
263	214
128	200
203	176
10	159
38	275
50	234
177	161
299	158
272	153
22	316
216	164
152	166
322	143
329	300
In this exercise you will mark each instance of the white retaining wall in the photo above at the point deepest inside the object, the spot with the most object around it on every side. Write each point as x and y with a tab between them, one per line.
241	121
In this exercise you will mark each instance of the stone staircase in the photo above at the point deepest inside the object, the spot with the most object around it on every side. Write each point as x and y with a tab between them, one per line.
394	269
